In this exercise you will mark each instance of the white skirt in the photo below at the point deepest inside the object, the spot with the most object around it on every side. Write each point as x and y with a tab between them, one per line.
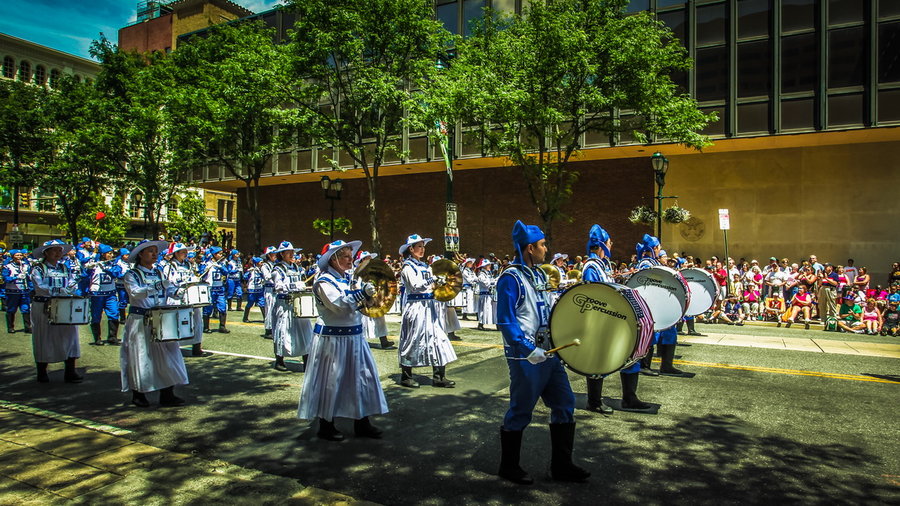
52	343
341	380
269	310
374	328
451	322
292	335
148	365
423	341
198	327
487	310
471	302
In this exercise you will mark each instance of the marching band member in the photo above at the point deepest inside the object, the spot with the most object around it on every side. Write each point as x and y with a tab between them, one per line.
374	328
121	294
523	318
470	280
102	289
18	290
559	261
666	341
291	334
179	272
449	320
422	340
235	277
597	270
265	268
487	310
213	272
76	267
256	284
342	379
53	343
83	255
148	365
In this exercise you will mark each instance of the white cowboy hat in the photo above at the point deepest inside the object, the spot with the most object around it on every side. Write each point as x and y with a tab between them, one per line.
412	240
333	247
284	246
136	252
362	256
558	256
54	243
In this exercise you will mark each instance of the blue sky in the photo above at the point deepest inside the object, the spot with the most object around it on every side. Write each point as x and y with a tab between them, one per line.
71	26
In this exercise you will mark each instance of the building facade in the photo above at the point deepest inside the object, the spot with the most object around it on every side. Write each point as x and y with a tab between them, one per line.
160	23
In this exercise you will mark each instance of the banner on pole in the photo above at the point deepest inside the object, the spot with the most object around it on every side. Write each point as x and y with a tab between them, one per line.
724	220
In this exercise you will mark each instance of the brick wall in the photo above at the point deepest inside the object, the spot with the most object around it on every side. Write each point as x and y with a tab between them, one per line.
152	35
489	201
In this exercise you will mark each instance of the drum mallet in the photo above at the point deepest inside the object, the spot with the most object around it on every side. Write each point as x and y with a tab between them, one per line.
576	342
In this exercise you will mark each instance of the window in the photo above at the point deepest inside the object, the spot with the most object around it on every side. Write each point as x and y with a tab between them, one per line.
716	128
889	52
77	78
635	5
754	74
40	75
473	10
798	114
753	18
753	117
712	73
54	78
798	63
846	57
845	110
889	105
675	21
9	67
226	210
711	25
845	11
447	15
888	8
508	6
172	209
25	72
798	15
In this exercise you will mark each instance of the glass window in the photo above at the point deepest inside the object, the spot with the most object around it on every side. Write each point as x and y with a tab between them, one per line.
77	78
668	3
753	117
888	8
847	57
284	162
711	25
844	11
9	67
418	148
845	110
25	72
54	78
798	15
798	114
798	63
40	75
504	5
447	15
637	5
754	72
472	10
889	52
323	158
712	73
304	161
889	105
675	21
716	127
753	18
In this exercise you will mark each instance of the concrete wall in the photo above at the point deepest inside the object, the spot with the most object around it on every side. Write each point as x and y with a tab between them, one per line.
836	202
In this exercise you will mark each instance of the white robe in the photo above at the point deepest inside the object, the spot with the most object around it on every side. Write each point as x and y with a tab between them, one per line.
487	306
52	343
292	335
423	341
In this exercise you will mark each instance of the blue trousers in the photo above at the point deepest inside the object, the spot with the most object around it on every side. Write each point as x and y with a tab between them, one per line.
667	336
217	299
123	298
529	382
104	303
257	298
233	289
20	301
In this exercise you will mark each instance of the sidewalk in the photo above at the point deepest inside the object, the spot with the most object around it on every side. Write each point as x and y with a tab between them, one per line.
44	460
798	344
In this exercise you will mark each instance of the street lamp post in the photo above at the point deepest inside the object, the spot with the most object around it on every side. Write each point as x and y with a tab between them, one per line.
332	188
660	166
138	199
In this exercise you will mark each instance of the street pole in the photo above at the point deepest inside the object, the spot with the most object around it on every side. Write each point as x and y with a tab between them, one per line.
659	199
331	226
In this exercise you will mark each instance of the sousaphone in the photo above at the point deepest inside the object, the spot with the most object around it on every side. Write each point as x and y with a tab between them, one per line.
449	271
553	277
385	282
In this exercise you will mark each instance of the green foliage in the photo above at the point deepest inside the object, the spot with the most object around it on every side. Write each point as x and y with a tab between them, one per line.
111	229
191	220
24	131
323	226
536	82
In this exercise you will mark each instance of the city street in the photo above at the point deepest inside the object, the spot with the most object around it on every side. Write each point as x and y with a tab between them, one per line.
770	415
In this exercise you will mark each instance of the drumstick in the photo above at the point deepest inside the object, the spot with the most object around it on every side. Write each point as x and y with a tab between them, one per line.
576	342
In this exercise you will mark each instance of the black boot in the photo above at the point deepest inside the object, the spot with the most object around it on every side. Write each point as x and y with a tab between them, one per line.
229	305
11	322
279	363
595	397
26	319
167	397
452	336
667	354
328	431
139	399
438	377
222	329
510	448
364	428
562	441
630	399
692	331
112	329
680	326
71	376
197	350
42	375
385	343
645	364
246	318
206	325
240	301
406	378
304	358
95	331
267	334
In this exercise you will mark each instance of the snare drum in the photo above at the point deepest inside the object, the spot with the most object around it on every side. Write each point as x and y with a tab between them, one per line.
196	295
68	310
665	292
612	321
704	290
304	304
171	323
461	300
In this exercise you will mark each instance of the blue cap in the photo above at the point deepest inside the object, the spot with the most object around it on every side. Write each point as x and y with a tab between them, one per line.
598	237
212	250
648	242
235	252
523	235
85	239
256	260
123	251
104	248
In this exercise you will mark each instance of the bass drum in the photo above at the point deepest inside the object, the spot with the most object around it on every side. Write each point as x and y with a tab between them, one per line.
704	290
666	293
612	322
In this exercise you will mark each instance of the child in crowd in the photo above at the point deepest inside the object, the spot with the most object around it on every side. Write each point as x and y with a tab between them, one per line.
891	320
871	317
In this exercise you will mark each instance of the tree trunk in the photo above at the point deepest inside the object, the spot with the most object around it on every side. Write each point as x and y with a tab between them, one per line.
373	215
253	206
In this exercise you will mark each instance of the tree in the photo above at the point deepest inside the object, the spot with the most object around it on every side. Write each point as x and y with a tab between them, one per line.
111	228
355	65
230	102
535	83
191	220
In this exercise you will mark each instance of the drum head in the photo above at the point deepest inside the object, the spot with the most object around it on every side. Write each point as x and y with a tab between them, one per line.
604	321
704	290
664	292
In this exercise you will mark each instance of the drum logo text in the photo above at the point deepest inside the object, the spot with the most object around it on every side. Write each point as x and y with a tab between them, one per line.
588	304
648	281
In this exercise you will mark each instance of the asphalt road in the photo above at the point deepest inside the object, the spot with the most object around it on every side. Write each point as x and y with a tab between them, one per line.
725	436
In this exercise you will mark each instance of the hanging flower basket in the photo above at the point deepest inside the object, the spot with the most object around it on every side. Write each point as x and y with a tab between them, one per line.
676	214
643	215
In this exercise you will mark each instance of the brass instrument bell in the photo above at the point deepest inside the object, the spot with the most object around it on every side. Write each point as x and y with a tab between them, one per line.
553	277
385	282
449	270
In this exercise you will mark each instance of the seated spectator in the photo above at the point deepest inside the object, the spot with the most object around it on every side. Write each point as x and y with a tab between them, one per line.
871	317
850	317
894	275
895	294
731	313
891	320
774	307
736	288
801	302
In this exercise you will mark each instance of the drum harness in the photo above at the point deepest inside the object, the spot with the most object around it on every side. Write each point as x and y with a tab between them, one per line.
542	336
144	311
60	267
